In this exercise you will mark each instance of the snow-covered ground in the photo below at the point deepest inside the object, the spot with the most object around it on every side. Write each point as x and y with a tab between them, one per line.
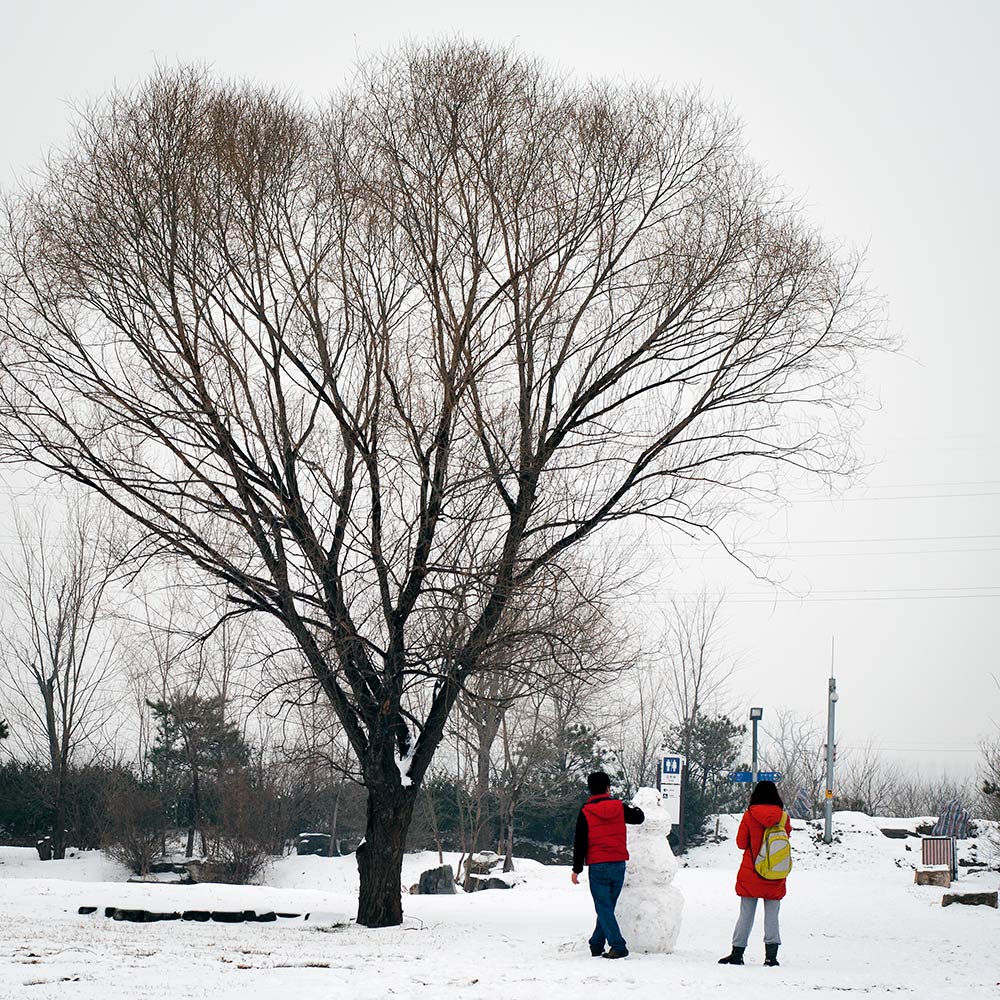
853	923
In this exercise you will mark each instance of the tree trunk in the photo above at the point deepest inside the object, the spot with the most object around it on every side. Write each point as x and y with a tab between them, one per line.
508	861
194	815
432	814
380	857
59	821
334	844
480	827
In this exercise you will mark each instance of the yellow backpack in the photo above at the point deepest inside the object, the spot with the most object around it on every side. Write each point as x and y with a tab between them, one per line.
774	859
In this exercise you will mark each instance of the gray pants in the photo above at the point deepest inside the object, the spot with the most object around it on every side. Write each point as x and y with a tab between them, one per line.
748	907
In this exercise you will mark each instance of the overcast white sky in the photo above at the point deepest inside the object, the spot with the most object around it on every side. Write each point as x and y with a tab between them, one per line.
881	118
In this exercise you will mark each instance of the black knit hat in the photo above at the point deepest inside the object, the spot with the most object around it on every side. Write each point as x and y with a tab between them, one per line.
598	783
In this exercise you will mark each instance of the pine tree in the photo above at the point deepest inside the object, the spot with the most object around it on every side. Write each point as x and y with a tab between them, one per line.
711	745
194	743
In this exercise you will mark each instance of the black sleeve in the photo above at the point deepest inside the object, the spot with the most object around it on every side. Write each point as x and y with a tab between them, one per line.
580	843
633	814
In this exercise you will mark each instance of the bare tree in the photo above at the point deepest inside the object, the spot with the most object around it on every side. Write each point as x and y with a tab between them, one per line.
795	746
641	709
698	665
376	370
188	665
868	781
319	755
59	646
558	635
915	794
525	738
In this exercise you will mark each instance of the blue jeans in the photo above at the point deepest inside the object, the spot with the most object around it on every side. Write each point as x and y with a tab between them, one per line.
606	881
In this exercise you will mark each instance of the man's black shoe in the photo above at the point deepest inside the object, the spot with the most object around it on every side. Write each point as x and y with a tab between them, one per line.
615	953
598	953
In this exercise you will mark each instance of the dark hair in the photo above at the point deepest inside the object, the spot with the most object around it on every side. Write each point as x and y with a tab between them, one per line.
765	793
598	783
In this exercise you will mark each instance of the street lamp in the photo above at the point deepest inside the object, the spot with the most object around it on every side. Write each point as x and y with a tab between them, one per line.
756	714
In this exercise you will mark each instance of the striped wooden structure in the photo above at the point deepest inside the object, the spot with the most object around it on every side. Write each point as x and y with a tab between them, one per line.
939	851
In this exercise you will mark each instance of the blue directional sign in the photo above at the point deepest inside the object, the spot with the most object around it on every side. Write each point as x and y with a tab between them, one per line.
740	776
747	776
769	776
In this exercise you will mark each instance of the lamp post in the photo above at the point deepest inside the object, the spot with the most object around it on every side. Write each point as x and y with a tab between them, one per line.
756	714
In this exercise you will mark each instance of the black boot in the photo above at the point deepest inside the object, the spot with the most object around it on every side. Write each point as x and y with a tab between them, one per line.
734	958
770	954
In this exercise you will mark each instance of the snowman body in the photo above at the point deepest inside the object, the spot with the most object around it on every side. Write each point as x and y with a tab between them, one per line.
650	906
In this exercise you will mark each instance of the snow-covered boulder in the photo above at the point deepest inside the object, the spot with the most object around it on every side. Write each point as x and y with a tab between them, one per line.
649	910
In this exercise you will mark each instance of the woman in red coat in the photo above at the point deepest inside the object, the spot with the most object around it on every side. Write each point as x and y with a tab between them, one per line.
766	809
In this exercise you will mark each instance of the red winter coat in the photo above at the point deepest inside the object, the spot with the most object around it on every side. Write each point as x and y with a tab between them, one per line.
606	836
748	838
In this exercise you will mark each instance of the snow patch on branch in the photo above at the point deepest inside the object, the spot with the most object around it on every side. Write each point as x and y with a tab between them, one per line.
404	764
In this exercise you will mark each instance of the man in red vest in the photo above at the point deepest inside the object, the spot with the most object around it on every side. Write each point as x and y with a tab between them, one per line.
600	843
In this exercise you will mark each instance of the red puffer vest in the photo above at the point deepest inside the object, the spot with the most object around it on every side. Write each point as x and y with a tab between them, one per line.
605	818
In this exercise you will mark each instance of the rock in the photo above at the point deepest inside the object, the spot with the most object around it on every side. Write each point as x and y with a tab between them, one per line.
970	899
897	834
939	875
149	917
85	910
228	916
200	915
477	883
314	843
482	863
437	882
171	878
414	889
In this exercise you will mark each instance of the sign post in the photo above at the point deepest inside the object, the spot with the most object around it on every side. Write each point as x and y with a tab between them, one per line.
747	777
671	783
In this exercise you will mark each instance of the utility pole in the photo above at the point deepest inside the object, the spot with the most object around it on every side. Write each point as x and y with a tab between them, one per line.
831	705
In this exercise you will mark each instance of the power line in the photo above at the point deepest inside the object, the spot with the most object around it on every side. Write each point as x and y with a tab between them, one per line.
845	541
912	496
922	486
867	590
851	555
918	486
835	600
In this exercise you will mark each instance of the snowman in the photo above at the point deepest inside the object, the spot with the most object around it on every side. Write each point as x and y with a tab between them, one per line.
649	909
